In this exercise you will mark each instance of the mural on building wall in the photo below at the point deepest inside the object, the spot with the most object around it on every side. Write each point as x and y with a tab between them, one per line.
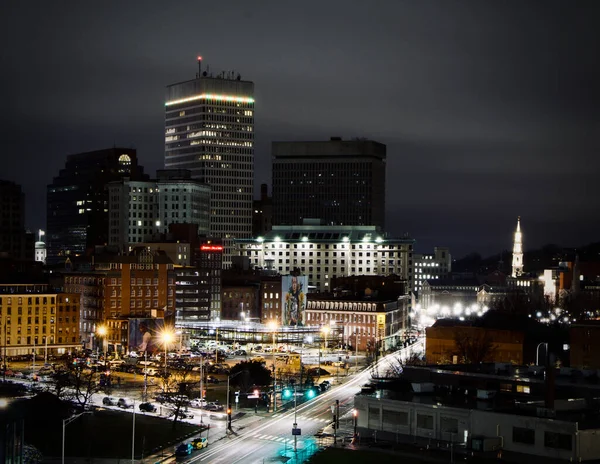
294	300
144	335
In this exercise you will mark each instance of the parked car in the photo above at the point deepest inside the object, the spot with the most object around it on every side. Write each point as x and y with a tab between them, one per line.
109	401
199	443
341	364
125	403
185	449
147	407
324	386
198	403
211	379
240	353
213	407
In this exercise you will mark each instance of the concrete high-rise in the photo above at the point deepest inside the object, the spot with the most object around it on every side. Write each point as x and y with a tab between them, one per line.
341	182
77	200
209	129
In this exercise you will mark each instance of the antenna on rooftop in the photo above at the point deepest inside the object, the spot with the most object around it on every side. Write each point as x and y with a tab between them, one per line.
199	66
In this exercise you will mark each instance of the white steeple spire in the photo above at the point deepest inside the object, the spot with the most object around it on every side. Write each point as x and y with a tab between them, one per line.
517	258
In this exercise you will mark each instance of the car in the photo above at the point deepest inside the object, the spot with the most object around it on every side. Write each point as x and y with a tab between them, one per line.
198	403
116	362
324	386
147	407
213	407
339	364
211	379
185	449
259	359
200	442
125	403
109	401
240	353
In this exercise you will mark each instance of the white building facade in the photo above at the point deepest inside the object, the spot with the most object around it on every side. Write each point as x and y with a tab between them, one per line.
324	252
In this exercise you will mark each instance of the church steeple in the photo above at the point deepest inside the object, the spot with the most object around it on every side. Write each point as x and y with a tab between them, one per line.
517	258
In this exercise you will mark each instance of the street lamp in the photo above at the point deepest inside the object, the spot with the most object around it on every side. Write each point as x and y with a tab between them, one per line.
273	327
355	415
102	331
167	337
66	422
325	330
229	377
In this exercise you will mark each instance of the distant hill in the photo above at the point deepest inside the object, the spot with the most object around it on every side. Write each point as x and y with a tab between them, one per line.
545	257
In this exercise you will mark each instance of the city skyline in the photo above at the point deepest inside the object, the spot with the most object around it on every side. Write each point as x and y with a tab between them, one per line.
488	111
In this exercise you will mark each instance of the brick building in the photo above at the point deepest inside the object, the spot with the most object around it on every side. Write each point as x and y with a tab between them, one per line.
116	288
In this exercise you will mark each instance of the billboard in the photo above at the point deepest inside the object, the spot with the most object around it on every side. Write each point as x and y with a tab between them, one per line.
293	292
144	335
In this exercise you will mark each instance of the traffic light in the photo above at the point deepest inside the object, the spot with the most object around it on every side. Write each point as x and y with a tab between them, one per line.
310	393
286	394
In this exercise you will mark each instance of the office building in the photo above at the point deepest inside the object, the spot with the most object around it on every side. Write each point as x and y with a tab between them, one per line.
210	264
34	318
14	241
209	129
77	201
431	266
40	248
141	209
341	182
325	252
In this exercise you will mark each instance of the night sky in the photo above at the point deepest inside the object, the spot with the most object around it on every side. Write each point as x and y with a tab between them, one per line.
489	110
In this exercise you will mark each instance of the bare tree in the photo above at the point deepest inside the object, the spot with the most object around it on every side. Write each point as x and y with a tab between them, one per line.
474	346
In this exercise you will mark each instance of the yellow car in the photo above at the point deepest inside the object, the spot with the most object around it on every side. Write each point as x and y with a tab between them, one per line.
200	443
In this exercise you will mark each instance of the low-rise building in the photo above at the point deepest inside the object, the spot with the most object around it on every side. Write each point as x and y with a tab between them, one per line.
35	318
488	410
367	323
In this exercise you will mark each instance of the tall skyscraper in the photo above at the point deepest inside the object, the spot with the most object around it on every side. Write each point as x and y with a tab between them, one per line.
77	200
209	129
341	182
517	257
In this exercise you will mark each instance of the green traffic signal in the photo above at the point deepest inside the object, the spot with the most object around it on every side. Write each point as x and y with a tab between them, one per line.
286	394
310	393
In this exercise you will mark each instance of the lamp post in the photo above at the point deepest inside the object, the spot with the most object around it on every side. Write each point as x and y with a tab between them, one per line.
355	416
66	422
167	337
273	326
229	377
102	331
325	330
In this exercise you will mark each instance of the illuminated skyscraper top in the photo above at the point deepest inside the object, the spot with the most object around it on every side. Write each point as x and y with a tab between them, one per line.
517	260
209	129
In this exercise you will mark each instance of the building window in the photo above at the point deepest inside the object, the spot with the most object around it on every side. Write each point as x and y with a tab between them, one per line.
523	435
449	424
395	417
424	421
558	440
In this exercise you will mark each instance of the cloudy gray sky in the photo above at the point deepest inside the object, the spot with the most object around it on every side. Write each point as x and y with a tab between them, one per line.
489	109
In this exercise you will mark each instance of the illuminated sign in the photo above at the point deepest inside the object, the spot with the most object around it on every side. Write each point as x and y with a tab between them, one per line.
229	98
211	248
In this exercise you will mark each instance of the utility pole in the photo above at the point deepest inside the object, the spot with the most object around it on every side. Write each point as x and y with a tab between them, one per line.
295	418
